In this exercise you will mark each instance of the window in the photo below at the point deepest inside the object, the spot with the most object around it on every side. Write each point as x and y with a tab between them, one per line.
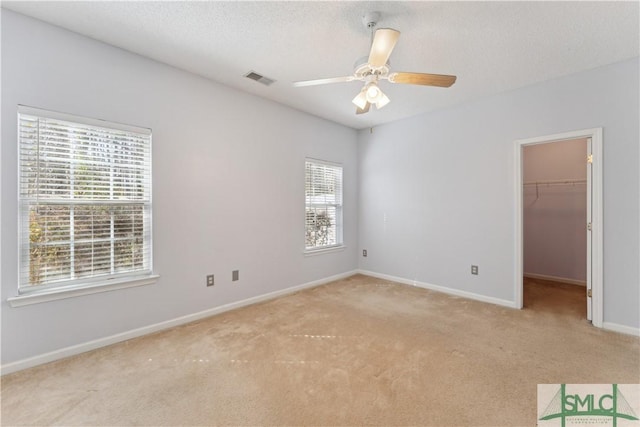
323	190
84	200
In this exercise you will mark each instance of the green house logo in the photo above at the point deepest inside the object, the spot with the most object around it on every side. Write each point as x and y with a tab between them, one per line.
588	407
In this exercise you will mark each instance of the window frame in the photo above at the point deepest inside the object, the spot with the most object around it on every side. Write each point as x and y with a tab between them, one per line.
27	293
339	226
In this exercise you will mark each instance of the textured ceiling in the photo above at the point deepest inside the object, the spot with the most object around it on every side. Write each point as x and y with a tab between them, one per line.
491	46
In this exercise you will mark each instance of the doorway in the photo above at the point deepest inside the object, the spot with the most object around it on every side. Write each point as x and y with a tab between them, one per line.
554	216
538	191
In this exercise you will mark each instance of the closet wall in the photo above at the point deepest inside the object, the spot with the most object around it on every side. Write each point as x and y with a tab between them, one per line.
555	215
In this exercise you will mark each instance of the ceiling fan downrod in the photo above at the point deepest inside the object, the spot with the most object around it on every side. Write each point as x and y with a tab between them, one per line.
370	20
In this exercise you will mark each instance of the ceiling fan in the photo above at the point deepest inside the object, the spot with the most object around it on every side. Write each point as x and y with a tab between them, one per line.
371	70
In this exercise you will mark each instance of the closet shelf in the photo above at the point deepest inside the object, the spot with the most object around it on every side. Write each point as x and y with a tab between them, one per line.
557	182
553	182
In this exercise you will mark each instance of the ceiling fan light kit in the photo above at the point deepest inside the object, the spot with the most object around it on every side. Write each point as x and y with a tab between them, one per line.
360	100
373	92
382	100
370	94
376	67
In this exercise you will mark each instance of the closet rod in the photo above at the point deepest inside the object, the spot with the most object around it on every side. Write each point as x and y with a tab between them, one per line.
557	182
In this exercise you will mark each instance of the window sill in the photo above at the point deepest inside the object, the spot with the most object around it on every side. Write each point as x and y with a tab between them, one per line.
56	294
312	252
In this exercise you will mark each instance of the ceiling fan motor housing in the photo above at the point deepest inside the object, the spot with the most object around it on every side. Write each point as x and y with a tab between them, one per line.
362	68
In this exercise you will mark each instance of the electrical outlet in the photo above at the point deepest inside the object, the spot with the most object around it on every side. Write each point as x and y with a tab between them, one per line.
210	280
235	275
364	252
474	269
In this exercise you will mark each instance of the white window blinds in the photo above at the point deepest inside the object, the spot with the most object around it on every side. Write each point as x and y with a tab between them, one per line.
323	194
85	200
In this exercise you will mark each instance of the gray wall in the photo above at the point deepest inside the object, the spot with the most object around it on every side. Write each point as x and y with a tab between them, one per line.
228	185
437	191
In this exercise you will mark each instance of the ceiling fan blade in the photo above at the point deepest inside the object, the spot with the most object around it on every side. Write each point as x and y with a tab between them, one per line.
384	41
324	81
440	80
363	110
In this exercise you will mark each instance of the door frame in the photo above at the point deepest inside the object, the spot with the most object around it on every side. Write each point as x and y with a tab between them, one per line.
596	216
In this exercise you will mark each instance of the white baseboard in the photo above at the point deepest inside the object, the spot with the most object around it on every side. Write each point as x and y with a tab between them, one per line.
629	330
113	339
145	330
623	329
555	279
443	289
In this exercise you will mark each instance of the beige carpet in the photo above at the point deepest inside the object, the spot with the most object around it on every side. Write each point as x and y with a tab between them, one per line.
360	351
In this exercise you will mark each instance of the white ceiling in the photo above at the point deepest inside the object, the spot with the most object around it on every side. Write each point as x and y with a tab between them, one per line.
491	46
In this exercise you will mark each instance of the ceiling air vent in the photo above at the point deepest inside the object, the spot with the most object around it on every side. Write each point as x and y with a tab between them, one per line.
259	78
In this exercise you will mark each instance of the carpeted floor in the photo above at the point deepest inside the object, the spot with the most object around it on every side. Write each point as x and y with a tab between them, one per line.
360	351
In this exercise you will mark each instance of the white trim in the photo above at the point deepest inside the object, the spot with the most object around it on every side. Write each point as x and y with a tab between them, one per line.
623	329
61	293
555	279
443	289
596	216
615	327
597	236
320	251
72	286
145	330
338	205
